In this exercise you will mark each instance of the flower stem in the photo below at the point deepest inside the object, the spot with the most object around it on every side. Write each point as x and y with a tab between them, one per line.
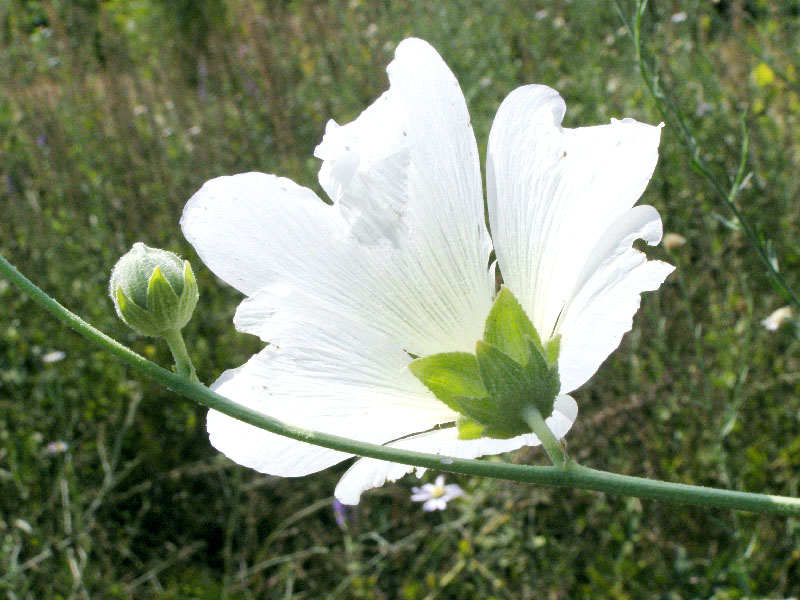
571	475
183	364
551	444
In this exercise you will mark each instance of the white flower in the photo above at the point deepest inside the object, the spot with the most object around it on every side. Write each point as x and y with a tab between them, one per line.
54	356
346	294
777	318
436	495
57	447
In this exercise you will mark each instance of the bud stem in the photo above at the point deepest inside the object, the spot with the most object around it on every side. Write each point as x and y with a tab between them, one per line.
533	417
183	364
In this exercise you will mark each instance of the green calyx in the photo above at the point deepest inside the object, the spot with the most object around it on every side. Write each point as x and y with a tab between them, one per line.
510	371
154	291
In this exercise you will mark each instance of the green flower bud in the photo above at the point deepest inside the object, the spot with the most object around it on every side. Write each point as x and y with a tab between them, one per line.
154	291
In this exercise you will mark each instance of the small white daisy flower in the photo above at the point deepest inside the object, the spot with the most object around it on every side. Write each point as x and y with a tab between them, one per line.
436	495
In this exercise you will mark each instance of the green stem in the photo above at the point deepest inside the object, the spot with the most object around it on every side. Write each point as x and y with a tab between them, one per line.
551	444
672	114
572	475
183	364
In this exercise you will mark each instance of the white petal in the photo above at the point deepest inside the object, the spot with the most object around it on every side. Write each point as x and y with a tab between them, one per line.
406	172
428	285
452	490
368	473
341	382
243	226
419	495
607	295
434	504
554	197
366	171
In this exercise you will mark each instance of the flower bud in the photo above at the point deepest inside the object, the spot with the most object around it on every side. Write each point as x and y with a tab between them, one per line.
154	291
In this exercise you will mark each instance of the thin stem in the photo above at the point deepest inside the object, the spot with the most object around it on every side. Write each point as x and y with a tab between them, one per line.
533	417
183	364
571	476
672	114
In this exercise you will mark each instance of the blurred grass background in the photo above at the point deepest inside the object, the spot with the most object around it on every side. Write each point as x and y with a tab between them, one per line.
113	113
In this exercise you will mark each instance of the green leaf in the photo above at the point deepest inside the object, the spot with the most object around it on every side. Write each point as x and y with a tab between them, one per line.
450	375
507	326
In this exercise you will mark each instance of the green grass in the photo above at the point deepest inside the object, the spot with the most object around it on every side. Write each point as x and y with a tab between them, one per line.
113	114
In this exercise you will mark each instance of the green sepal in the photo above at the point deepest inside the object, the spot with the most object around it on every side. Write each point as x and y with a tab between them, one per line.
449	375
507	327
502	376
542	379
189	296
506	382
469	429
135	316
162	301
489	418
510	372
552	349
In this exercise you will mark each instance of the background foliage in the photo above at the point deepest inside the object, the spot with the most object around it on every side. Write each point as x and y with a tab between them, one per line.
113	113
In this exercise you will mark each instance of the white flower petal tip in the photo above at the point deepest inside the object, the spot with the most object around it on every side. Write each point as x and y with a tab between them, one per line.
396	267
435	496
777	318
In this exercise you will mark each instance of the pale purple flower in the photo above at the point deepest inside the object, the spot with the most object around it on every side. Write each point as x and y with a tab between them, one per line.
435	496
339	513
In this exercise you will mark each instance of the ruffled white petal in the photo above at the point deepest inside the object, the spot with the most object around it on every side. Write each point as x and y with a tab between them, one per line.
246	227
404	249
417	139
342	382
607	295
558	200
368	473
